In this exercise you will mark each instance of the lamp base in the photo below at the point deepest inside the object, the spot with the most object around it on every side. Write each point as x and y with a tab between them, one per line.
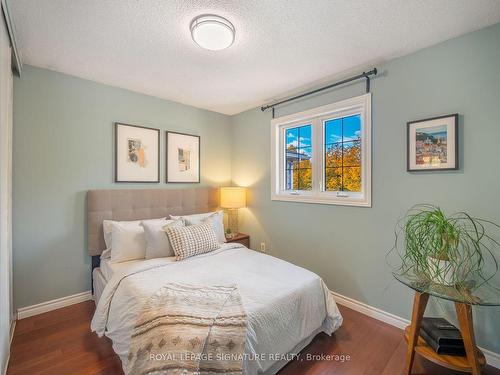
232	218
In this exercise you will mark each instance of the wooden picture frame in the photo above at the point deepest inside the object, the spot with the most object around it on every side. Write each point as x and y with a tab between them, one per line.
432	144
137	154
183	156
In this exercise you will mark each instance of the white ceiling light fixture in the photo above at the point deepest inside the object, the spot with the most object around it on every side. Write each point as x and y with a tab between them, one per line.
212	32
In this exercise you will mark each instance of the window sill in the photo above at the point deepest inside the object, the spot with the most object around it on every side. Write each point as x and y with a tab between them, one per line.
322	200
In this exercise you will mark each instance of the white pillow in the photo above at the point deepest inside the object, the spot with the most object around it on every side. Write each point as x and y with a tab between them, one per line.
157	243
107	226
217	218
128	242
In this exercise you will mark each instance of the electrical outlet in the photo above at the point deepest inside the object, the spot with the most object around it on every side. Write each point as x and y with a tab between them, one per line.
263	247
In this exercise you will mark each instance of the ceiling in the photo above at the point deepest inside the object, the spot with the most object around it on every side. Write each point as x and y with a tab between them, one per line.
281	46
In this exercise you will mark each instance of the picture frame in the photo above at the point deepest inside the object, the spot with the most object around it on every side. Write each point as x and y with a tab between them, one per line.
182	157
432	144
137	153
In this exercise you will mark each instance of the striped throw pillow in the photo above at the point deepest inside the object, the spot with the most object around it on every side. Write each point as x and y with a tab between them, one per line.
192	240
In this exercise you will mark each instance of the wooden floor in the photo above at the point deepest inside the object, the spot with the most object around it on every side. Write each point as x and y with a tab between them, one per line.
60	342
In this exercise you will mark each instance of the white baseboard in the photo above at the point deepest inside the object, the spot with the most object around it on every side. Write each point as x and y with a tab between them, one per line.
371	311
25	312
492	358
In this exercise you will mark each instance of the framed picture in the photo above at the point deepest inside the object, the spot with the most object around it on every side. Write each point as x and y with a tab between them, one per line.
137	153
183	157
432	144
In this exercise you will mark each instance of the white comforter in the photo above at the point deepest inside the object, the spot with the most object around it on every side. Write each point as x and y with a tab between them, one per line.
285	304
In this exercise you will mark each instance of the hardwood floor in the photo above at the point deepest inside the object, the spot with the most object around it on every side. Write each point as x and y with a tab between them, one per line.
60	342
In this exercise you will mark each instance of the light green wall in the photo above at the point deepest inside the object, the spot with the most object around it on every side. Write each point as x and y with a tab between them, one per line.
347	245
63	146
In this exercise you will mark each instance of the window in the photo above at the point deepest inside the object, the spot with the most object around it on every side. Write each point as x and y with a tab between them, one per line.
324	155
342	152
298	168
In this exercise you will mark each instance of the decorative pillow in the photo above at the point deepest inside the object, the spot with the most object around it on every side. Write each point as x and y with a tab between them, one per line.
192	240
107	226
217	218
157	243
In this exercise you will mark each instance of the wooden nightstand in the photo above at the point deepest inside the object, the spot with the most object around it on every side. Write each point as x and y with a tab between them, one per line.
241	238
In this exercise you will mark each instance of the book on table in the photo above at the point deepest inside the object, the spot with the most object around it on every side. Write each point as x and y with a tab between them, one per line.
443	349
442	336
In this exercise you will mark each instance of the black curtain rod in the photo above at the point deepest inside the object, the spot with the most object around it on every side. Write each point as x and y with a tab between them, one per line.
366	75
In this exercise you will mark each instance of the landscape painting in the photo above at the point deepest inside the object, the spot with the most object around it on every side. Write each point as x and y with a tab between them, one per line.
433	144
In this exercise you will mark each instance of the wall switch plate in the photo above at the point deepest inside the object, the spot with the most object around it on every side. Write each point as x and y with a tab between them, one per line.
263	247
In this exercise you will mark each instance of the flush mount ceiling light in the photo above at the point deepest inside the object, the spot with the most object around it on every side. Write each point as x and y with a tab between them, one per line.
212	32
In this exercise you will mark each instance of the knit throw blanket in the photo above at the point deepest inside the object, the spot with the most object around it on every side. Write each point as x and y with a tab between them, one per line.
186	329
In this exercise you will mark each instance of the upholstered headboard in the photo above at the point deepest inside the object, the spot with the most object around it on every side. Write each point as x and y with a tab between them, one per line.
136	204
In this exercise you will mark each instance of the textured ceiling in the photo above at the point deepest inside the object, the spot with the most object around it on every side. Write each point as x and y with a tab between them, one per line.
280	46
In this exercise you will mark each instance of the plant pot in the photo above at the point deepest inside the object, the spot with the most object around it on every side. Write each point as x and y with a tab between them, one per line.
440	271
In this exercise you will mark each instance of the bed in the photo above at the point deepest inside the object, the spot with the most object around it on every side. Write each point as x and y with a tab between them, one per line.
286	305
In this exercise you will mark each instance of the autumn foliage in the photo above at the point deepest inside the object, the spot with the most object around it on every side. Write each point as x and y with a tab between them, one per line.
342	168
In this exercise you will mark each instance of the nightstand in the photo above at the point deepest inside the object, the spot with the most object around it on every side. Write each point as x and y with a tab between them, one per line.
241	238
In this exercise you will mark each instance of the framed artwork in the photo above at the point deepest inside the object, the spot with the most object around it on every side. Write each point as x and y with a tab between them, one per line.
137	153
183	157
432	144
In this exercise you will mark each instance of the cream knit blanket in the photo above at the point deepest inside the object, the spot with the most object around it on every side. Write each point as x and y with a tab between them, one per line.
187	329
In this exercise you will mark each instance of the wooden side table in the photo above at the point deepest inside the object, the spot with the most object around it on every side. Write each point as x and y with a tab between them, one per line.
241	238
473	362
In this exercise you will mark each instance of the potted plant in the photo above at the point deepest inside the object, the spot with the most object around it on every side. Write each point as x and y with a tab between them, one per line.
450	250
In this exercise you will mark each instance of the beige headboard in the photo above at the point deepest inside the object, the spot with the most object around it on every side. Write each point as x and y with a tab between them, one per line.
136	204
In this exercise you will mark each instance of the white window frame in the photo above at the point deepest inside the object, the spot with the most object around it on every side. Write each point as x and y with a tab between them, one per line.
316	117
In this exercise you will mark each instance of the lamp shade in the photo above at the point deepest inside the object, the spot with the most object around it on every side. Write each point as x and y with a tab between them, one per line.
233	197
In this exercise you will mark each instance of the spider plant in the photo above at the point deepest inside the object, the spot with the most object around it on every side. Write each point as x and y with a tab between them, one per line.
452	250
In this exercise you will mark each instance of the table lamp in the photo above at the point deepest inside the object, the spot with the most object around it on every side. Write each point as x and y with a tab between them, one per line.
232	198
